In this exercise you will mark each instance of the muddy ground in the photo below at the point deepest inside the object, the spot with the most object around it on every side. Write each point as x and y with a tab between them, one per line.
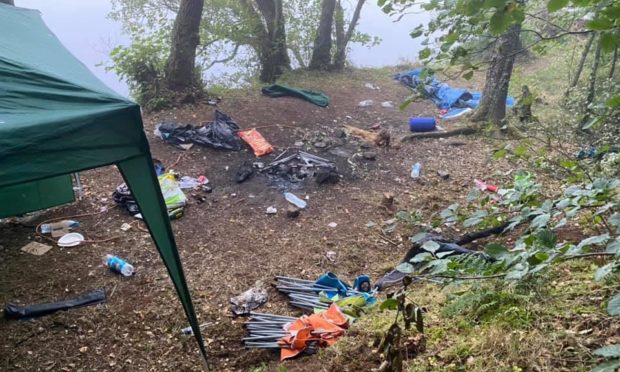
228	242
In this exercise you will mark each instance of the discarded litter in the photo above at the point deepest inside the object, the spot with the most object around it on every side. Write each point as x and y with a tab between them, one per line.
300	165
36	248
443	174
422	124
372	86
331	256
333	225
59	228
119	265
482	186
12	311
249	300
187	182
172	193
387	104
271	210
416	170
257	142
365	103
444	96
333	303
70	240
190	332
245	171
125	227
219	134
293	199
446	248
277	90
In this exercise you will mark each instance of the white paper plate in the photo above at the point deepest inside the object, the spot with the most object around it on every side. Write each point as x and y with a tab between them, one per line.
70	240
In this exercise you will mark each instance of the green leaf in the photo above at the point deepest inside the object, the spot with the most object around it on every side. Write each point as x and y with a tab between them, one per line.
421	257
494	4
555	5
609	366
594	240
472	221
431	246
424	53
417	237
515	275
540	221
500	154
613	247
542	256
609	351
599	24
609	41
416	33
443	254
499	22
613	306
408	101
405	268
613	102
604	271
389	304
468	75
547	238
496	251
473	195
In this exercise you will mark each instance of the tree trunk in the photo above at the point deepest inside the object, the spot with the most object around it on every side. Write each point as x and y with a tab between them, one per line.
591	85
341	46
273	53
322	51
612	69
8	2
493	102
582	61
181	66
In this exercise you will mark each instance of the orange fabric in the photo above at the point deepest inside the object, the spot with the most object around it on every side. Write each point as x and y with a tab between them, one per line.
334	315
325	327
257	142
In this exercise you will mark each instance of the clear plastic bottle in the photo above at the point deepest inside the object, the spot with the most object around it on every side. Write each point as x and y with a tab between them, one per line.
416	169
293	199
119	265
47	228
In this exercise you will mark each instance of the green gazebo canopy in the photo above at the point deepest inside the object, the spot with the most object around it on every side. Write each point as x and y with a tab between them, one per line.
57	118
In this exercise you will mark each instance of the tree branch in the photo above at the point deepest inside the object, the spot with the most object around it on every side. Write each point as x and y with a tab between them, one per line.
546	21
224	60
592	254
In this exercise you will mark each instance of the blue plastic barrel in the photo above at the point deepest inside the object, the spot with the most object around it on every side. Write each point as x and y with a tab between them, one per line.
422	124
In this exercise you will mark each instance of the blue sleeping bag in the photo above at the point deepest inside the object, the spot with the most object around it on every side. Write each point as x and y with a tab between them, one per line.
443	95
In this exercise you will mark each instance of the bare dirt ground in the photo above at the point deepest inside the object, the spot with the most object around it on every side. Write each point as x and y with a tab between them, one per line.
228	242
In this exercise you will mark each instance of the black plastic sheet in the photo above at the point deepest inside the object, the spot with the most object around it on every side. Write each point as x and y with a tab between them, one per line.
12	311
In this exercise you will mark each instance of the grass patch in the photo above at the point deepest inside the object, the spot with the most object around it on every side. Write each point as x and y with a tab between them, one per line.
550	324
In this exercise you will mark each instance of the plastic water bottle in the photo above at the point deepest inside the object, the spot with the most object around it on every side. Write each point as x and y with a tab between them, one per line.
119	265
47	228
416	169
293	199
